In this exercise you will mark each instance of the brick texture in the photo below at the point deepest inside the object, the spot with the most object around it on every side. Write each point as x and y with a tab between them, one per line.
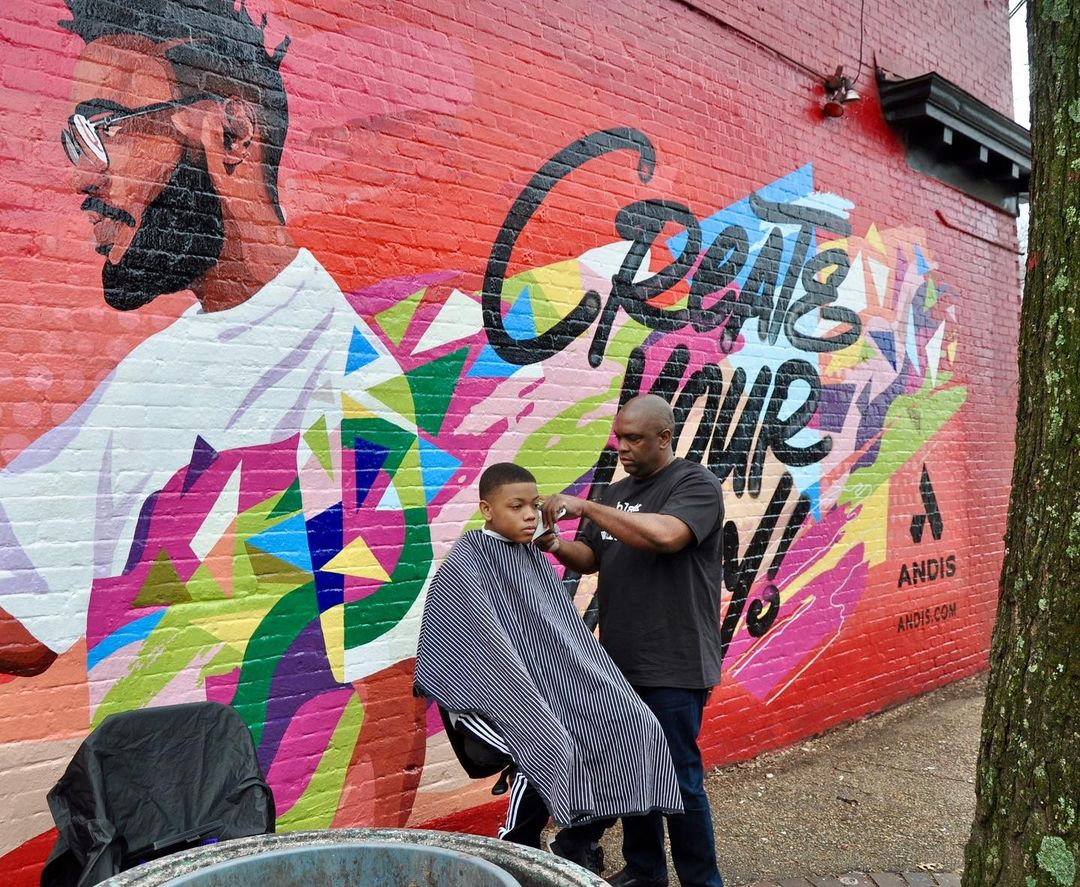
245	505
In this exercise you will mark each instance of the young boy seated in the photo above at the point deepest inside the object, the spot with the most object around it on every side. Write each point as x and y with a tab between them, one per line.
506	656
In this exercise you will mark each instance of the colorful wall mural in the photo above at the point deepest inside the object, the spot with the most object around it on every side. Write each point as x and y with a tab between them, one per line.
327	268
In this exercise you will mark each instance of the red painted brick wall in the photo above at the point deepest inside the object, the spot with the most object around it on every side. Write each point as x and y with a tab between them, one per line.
412	129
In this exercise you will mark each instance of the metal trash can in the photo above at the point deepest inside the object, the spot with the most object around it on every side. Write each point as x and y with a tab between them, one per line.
374	864
359	857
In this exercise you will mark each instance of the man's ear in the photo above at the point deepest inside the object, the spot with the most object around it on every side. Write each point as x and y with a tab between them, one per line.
239	126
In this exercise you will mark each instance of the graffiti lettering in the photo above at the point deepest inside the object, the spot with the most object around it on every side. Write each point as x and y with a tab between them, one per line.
641	224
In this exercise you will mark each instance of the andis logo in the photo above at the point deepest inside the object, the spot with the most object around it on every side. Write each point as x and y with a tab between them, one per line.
931	512
932	568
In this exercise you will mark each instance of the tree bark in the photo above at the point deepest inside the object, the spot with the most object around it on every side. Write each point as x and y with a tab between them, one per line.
1026	831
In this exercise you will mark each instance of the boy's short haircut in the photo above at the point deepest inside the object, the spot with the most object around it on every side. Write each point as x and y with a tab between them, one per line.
502	473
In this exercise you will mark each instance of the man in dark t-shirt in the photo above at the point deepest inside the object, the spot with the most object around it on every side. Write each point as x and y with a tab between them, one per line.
655	540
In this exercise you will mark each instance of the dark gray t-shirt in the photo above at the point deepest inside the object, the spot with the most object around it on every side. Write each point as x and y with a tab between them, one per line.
660	613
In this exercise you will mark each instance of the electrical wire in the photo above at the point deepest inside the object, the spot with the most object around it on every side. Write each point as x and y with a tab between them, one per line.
1017	8
862	34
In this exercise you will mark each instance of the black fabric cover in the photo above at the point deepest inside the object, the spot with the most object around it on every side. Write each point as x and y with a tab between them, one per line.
170	776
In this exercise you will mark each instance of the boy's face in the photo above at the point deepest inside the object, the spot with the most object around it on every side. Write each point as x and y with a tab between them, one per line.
512	511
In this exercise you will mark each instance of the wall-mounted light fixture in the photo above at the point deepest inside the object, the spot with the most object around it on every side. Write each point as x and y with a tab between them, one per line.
839	90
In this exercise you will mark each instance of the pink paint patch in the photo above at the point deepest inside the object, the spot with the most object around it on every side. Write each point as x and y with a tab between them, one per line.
222	687
303	745
433	720
815	616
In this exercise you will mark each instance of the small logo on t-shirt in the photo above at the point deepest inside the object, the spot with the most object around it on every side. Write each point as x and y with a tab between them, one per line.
621	506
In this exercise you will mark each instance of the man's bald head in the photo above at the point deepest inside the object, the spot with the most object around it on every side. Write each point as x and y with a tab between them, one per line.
643	431
653	409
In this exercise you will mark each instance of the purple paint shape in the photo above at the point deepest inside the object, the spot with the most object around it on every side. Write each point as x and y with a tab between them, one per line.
899	273
302	673
386	293
833	407
303	745
202	457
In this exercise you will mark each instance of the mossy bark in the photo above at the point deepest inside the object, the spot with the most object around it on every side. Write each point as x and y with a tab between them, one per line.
1027	820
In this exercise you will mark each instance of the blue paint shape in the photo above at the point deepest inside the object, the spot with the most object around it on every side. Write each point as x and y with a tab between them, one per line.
519	320
886	342
361	352
124	635
369	459
490	366
287	542
324	539
920	262
437	467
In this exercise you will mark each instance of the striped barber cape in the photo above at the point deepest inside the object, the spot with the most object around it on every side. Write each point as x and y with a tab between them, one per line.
501	638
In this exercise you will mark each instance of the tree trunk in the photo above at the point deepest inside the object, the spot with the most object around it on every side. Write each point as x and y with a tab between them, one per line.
1027	820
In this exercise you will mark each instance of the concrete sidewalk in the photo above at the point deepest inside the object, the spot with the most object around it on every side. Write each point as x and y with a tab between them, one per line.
887	801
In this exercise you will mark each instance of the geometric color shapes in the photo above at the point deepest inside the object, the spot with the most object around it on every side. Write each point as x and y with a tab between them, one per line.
886	342
333	632
319	442
833	407
361	352
202	457
124	635
879	273
369	459
390	500
287	542
396	394
951	351
489	365
290	502
920	262
437	466
433	386
357	559
930	300
933	353
519	320
394	321
874	239
162	585
324	539
352	409
911	345
458	318
218	518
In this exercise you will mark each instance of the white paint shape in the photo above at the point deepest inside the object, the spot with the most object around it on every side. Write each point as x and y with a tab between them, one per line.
219	518
459	317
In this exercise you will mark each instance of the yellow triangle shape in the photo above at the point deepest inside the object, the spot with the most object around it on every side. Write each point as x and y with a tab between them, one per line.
355	410
333	631
356	559
874	239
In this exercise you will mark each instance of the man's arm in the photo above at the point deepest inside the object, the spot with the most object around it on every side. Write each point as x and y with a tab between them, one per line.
573	554
21	653
661	533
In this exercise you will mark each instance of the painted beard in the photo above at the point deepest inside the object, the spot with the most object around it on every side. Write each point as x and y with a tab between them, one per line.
179	240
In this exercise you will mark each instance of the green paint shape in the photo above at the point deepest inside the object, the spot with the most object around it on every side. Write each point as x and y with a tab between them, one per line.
162	585
166	652
319	441
556	451
433	387
202	586
270	641
409	480
931	294
376	614
397	394
910	423
395	321
317	806
272	573
289	503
